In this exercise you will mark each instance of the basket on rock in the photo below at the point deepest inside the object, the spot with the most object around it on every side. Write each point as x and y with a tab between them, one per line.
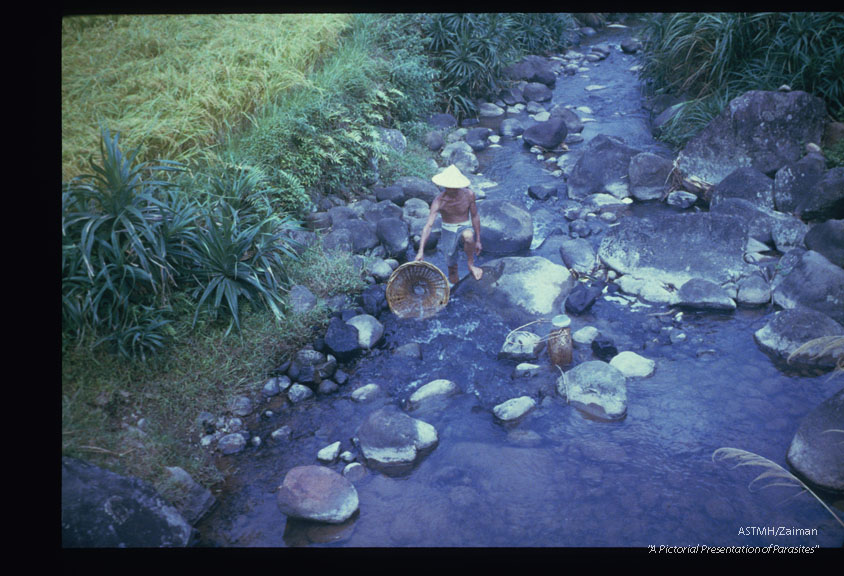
417	290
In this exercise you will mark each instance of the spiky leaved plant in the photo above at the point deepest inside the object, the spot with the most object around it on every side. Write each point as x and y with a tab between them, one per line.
772	475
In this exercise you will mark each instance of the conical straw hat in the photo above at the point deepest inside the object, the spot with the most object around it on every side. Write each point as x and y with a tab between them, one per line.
451	177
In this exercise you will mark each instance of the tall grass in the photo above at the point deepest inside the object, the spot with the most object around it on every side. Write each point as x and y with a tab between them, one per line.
175	85
708	58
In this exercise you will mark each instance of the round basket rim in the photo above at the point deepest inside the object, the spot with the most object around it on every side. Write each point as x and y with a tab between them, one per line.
418	264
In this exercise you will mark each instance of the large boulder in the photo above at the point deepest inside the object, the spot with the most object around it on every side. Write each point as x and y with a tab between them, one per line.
394	236
533	68
602	168
760	129
573	123
415	187
674	248
702	294
477	138
816	452
392	441
648	176
506	228
747	183
370	330
788	330
536	92
101	509
762	224
520	289
595	388
827	239
548	135
317	493
813	282
383	209
342	339
793	182
826	199
361	232
578	255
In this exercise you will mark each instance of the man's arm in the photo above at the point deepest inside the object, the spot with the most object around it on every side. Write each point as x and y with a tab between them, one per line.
426	231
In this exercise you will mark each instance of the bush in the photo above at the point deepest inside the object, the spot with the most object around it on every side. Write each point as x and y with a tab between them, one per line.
707	59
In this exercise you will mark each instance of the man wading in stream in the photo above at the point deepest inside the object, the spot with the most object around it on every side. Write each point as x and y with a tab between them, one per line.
460	225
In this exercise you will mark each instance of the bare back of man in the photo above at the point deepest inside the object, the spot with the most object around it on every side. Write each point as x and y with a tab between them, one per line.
457	206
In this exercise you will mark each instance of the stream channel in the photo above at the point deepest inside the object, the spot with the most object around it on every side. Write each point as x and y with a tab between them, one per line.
556	478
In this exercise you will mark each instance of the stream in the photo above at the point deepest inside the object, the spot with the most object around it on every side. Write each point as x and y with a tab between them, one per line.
556	478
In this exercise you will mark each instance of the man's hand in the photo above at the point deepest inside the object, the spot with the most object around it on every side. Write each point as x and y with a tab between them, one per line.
419	257
478	247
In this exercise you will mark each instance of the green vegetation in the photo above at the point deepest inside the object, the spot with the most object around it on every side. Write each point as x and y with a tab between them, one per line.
470	50
706	59
175	272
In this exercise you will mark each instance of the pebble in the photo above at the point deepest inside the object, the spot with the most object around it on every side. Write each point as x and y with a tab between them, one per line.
366	393
354	472
585	335
299	393
282	433
231	443
329	453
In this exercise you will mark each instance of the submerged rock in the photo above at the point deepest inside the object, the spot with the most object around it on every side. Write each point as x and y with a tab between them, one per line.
436	389
513	409
317	493
704	295
392	441
817	451
596	389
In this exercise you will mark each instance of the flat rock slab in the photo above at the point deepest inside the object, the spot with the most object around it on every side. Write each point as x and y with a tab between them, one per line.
674	248
317	493
596	389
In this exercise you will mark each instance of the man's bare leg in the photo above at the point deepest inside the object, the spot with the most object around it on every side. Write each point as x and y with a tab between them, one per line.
453	277
469	248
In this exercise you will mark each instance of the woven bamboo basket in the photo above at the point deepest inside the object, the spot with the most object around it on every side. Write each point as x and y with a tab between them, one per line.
417	290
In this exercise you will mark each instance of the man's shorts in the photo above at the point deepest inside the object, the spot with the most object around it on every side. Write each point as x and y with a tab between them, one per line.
451	236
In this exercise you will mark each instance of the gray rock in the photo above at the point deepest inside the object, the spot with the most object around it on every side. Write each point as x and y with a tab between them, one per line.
760	129
702	294
520	289
787	231
393	194
793	182
299	393
193	501
330	453
745	183
532	68
409	350
354	472
542	192
415	187
317	493
393	138
231	443
827	239
520	346
815	283
536	92
753	291
572	121
342	339
790	329
436	389
632	365
380	270
489	110
271	388
681	199
596	389
362	234
514	409
676	247
301	299
366	393
477	138
338	241
101	509
548	135
370	330
817	452
506	227
392	441
826	199
648	176
510	128
241	406
442	120
579	255
381	210
584	336
603	167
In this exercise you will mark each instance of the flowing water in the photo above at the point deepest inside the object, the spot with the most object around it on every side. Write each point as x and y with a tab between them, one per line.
555	478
